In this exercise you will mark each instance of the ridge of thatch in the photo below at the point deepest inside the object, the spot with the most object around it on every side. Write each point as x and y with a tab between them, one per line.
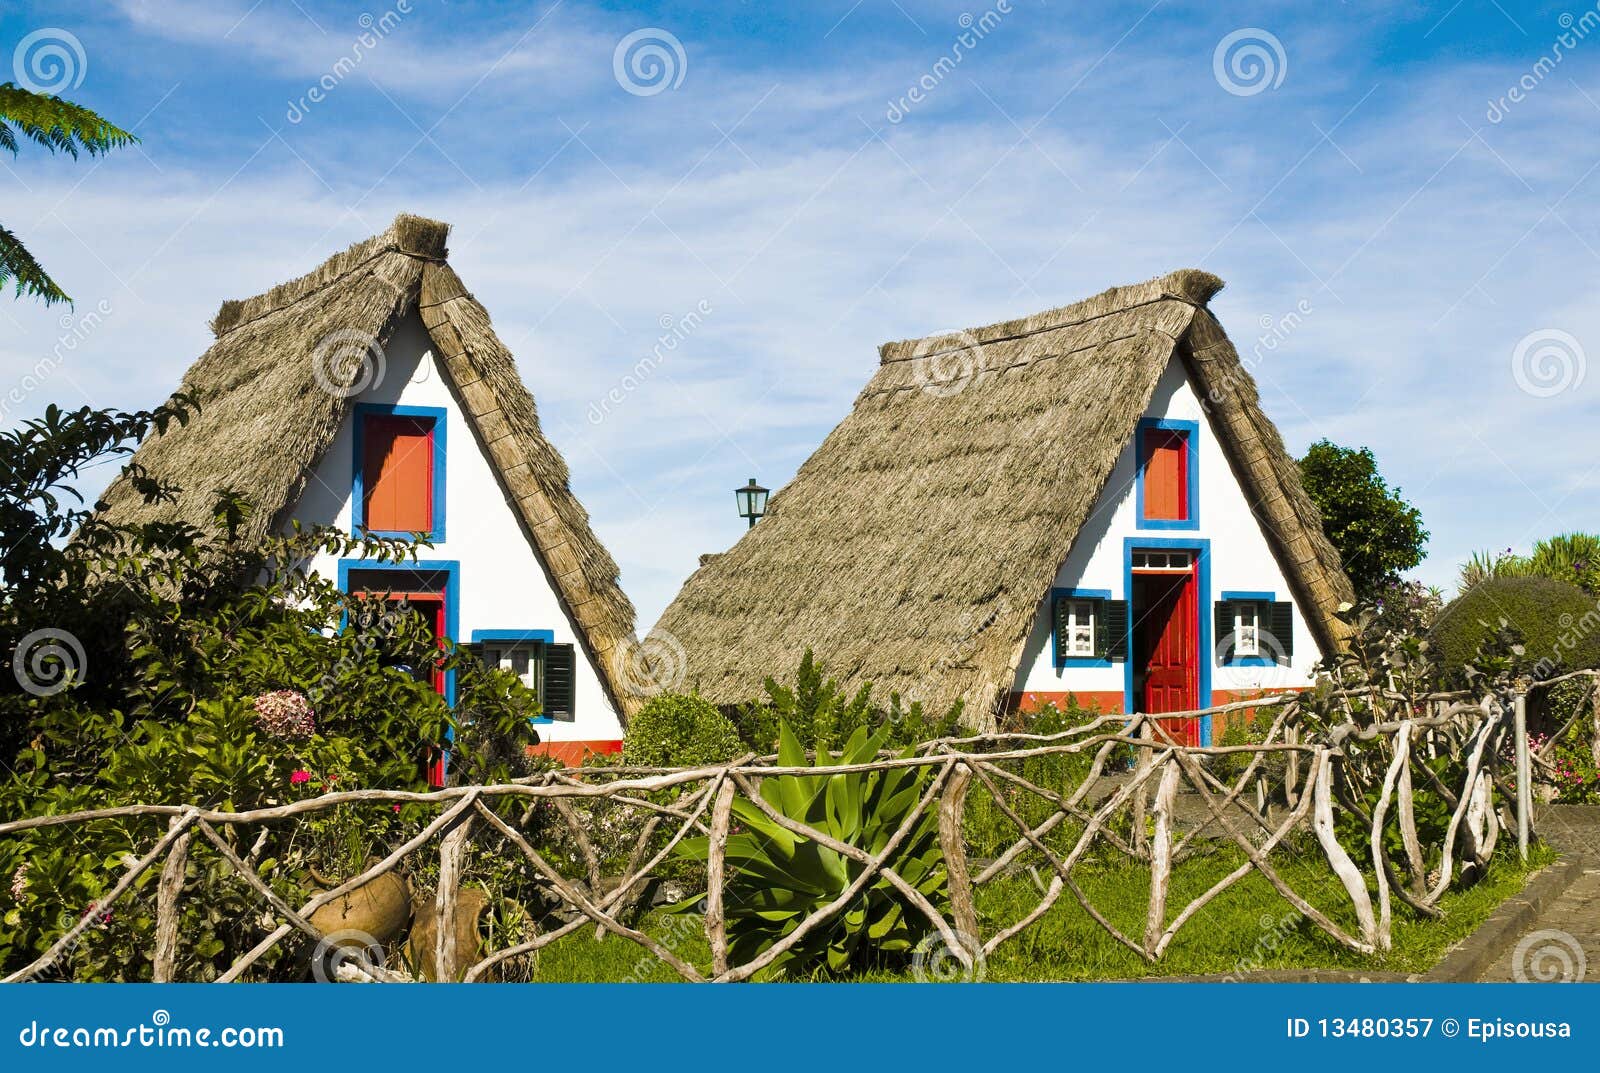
911	550
266	420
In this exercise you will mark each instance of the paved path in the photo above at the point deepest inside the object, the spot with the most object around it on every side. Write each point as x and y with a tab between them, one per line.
1564	941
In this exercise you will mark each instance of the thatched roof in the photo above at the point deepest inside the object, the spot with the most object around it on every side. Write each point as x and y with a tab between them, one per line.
913	548
266	419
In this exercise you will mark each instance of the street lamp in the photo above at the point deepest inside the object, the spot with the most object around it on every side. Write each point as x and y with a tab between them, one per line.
752	500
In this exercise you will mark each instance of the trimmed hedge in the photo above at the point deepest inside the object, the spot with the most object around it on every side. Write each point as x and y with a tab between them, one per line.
1558	622
680	730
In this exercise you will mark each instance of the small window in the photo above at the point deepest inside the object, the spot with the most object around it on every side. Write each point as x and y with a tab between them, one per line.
1088	627
399	471
1166	468
1167	474
1247	629
544	667
1253	626
1078	625
525	660
1162	560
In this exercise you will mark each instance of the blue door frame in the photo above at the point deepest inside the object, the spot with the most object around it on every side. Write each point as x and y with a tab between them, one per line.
1205	656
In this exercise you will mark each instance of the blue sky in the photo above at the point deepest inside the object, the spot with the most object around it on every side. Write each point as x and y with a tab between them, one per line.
1442	239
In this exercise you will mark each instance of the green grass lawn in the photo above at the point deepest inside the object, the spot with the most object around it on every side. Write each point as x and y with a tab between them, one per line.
1248	927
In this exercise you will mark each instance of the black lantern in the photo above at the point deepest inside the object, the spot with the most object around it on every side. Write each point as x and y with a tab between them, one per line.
752	500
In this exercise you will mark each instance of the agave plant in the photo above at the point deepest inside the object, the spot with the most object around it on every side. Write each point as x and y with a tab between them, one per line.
777	879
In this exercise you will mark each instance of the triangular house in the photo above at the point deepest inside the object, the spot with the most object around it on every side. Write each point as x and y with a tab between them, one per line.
372	394
1087	501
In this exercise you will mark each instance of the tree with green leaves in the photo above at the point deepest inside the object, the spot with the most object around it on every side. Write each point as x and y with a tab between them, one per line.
59	126
1379	535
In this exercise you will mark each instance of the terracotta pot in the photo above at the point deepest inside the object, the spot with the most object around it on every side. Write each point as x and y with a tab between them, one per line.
380	908
472	904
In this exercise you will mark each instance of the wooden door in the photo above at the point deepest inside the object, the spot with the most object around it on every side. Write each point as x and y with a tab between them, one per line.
1166	650
431	606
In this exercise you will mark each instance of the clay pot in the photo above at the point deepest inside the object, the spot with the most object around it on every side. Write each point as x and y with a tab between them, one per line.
472	904
380	908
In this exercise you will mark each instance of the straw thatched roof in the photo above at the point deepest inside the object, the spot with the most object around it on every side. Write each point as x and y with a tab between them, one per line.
267	415
913	548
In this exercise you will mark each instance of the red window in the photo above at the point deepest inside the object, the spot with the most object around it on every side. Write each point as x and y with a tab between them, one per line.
397	474
1166	475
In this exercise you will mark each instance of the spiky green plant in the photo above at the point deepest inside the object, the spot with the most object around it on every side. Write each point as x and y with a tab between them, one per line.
59	126
1573	557
776	879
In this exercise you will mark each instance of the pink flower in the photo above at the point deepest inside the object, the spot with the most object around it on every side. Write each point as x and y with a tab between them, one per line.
286	714
397	808
298	777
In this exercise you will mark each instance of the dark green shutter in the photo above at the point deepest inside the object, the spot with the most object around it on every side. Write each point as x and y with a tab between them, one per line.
1282	628
560	685
1058	628
1223	623
1111	637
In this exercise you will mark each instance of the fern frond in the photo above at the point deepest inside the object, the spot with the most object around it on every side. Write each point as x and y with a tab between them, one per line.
18	265
58	125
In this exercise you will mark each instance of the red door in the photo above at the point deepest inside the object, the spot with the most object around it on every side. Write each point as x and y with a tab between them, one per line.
430	605
1166	650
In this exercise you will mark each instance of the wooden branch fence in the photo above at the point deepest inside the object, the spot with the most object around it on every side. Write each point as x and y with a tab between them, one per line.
1142	799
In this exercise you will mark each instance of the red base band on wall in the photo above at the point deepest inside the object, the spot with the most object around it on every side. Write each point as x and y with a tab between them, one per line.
574	753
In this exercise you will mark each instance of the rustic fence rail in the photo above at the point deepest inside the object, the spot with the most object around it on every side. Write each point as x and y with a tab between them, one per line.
1142	798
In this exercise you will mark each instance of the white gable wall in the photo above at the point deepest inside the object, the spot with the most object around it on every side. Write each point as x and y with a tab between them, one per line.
1240	561
503	586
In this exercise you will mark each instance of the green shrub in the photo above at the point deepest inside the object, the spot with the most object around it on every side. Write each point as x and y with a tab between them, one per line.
680	730
821	715
776	880
1558	624
1574	774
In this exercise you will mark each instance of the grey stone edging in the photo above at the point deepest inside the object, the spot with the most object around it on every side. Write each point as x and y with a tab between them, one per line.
1472	956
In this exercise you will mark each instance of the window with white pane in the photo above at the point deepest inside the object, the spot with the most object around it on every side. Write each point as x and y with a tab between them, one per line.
1247	616
1077	627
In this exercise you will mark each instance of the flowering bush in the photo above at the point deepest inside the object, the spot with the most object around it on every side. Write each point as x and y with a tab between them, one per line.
205	671
286	714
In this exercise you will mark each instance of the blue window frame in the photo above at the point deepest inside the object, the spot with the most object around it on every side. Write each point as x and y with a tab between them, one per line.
1055	642
1263	600
450	569
1191	431
518	637
363	410
1202	554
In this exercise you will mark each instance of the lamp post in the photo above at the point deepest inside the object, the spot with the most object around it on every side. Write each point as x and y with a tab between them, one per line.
752	500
